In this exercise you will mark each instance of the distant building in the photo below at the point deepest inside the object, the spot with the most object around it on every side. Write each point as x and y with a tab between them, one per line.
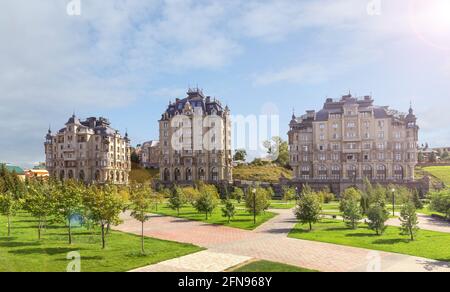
37	173
89	151
149	154
15	169
183	125
352	139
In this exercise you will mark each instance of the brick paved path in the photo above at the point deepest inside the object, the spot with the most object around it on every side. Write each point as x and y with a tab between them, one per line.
270	242
426	222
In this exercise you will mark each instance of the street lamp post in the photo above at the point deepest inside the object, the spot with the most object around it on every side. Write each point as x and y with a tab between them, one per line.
393	202
254	205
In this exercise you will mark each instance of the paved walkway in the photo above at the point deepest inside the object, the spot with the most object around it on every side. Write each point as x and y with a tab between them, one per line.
426	222
270	242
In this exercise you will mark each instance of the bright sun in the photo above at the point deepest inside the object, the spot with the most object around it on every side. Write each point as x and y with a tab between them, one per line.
431	21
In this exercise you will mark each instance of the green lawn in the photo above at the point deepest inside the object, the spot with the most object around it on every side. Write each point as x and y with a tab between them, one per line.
242	220
24	253
267	173
280	204
429	244
268	267
331	209
441	172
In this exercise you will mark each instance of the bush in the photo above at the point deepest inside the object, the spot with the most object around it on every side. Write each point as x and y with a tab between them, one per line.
440	202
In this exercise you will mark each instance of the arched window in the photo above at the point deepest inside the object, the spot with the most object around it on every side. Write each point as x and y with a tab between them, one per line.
367	171
61	175
177	174
352	172
323	172
70	174
336	172
398	172
166	175
381	172
214	174
188	174
305	172
81	175
118	176
201	174
111	176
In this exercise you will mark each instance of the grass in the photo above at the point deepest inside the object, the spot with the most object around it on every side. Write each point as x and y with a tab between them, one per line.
242	219
441	172
268	267
267	173
429	244
141	175
24	253
278	204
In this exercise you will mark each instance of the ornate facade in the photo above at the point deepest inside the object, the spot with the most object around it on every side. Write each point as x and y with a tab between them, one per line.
89	151
352	139
149	154
195	140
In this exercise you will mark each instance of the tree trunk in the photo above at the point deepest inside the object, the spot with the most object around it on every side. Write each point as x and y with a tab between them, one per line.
39	228
9	225
103	236
70	232
142	238
310	226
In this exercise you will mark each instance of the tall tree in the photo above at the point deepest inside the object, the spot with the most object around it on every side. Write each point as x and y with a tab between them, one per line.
308	209
141	199
350	207
378	215
408	217
207	201
9	205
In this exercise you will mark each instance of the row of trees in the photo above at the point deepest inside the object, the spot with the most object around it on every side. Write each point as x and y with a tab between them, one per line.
356	205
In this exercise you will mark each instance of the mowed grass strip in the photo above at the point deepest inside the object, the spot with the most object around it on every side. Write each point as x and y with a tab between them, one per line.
242	219
269	267
24	253
429	244
440	172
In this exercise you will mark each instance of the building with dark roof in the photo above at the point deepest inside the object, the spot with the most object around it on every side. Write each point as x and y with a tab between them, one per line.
195	140
352	139
90	151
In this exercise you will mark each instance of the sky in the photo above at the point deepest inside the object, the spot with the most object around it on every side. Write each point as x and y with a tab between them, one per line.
126	59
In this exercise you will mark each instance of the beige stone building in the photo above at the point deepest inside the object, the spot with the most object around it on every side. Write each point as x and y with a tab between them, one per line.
351	139
89	151
195	140
149	154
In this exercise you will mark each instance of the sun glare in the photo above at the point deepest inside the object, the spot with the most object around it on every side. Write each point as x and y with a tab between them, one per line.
431	21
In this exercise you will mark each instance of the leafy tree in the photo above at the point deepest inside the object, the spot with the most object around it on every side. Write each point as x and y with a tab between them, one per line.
9	205
207	201
191	194
378	215
141	198
326	196
240	155
105	206
237	194
228	210
256	202
278	150
351	210
68	202
39	201
177	199
409	220
415	198
309	208
289	193
156	198
440	202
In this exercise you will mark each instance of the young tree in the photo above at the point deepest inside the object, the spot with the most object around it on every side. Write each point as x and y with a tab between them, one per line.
177	199
440	202
256	202
415	198
308	209
289	193
378	215
350	207
408	217
105	206
156	198
141	199
207	201
39	202
228	210
68	202
9	206
191	194
237	194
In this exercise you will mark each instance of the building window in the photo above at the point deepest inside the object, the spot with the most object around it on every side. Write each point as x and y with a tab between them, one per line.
381	172
398	172
323	173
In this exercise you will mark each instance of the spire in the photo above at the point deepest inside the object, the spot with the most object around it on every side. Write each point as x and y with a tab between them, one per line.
411	111
293	114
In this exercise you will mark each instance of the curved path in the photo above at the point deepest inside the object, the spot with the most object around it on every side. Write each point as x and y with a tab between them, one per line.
268	242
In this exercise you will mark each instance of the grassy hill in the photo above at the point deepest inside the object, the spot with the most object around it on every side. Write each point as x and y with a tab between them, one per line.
267	173
142	175
442	173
